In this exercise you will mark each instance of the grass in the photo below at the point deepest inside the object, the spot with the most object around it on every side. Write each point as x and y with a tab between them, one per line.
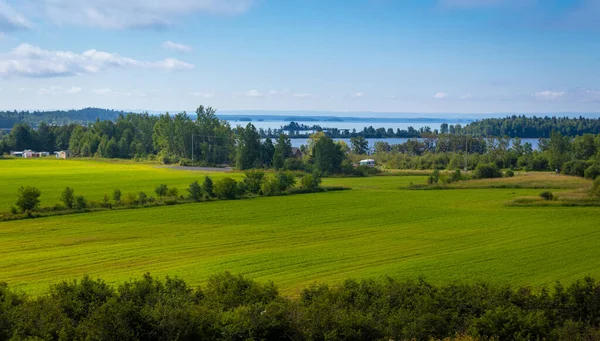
377	229
90	178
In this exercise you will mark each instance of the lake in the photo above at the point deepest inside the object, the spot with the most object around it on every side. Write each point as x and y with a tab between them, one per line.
417	124
297	142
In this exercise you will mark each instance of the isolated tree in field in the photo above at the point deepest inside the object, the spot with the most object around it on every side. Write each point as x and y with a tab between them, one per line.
195	191
225	188
253	180
28	198
208	186
161	190
68	197
360	145
117	195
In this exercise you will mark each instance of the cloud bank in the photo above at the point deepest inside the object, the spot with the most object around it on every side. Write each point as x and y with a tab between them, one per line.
32	61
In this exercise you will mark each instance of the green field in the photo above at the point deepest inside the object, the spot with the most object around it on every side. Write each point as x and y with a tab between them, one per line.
377	229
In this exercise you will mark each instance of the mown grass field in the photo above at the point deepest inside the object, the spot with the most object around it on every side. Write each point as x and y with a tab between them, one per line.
90	178
377	229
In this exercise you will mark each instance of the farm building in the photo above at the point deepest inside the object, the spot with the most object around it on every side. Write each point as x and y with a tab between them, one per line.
296	152
28	154
367	162
63	154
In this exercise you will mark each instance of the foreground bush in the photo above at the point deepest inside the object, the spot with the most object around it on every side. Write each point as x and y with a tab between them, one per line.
233	307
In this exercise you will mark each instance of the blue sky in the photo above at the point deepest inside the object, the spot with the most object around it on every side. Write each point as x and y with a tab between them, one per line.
425	56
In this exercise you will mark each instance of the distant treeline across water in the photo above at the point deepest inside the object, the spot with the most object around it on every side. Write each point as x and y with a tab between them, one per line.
298	142
343	127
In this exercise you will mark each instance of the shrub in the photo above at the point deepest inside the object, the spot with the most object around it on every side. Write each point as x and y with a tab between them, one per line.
456	176
68	197
80	203
130	199
161	190
117	195
270	187
547	195
592	172
208	186
293	164
253	181
310	182
574	168
173	192
596	187
509	173
195	191
225	188
487	171
142	198
241	188
286	180
434	178
106	201
28	198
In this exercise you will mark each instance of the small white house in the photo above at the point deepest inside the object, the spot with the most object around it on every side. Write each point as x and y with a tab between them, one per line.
367	162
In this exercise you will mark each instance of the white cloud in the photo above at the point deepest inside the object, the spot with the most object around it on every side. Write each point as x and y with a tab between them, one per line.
11	20
57	90
302	95
440	95
279	92
359	94
249	93
31	61
169	45
119	14
549	95
107	91
204	94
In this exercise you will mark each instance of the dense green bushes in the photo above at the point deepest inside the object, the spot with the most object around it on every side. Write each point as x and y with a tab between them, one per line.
254	183
487	171
232	307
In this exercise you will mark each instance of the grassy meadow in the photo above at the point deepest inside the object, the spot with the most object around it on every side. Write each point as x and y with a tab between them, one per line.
379	228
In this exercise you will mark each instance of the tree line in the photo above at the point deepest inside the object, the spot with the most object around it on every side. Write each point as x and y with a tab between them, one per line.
34	118
578	156
255	183
232	307
511	126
